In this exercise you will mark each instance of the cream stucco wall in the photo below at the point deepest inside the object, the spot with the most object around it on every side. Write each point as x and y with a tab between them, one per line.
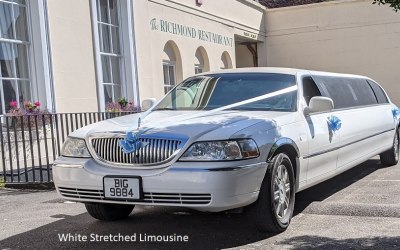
351	36
72	55
224	17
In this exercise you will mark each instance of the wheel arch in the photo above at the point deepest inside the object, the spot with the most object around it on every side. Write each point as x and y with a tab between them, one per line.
287	145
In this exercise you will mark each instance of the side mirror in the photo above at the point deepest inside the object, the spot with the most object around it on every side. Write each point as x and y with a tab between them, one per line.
319	104
148	103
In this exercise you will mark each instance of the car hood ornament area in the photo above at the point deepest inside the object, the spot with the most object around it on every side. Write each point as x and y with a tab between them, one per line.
131	143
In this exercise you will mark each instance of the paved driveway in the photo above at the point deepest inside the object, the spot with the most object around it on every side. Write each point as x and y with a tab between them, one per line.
358	209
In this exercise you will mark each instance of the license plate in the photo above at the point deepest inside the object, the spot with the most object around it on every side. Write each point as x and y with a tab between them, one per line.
122	188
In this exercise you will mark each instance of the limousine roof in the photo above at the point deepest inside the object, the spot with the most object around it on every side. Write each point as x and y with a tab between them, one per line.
289	71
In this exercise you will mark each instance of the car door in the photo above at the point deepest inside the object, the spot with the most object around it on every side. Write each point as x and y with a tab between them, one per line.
367	128
363	128
322	142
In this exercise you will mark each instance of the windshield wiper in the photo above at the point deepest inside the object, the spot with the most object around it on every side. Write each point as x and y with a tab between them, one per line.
252	109
160	109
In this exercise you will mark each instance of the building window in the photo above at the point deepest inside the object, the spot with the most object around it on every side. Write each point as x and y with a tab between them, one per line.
226	62
169	70
172	65
198	68
110	49
201	63
114	43
15	83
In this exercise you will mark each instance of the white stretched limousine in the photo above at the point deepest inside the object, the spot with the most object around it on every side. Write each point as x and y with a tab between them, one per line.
238	138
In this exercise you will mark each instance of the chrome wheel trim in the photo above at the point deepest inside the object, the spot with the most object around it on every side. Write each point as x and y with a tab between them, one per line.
281	191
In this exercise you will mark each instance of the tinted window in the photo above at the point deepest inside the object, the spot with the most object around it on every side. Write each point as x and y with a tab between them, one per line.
363	92
310	89
346	92
218	90
380	95
337	89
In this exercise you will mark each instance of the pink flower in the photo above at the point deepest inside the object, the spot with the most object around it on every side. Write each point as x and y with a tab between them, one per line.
13	104
37	104
30	106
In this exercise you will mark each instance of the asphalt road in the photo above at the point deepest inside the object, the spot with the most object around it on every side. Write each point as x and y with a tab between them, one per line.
356	210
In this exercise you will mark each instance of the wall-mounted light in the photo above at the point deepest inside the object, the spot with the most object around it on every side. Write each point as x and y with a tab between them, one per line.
199	2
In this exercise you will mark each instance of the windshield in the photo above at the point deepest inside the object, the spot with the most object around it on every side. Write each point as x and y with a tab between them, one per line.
218	90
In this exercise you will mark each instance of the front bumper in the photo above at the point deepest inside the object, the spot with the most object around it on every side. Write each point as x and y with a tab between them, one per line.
224	186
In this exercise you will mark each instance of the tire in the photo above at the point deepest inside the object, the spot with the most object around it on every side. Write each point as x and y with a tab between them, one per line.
109	212
264	212
391	157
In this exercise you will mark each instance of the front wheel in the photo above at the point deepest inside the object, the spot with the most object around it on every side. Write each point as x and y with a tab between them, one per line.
274	207
391	157
109	212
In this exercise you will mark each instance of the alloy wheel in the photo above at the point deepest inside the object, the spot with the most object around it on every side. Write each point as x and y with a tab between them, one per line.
281	191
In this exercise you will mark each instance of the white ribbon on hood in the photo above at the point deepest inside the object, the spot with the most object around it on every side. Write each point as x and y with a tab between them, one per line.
131	142
179	118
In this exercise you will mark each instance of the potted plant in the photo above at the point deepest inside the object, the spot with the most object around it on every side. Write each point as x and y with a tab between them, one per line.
28	115
121	106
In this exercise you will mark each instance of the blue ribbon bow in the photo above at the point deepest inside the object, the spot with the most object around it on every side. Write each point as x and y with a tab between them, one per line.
131	143
396	113
334	123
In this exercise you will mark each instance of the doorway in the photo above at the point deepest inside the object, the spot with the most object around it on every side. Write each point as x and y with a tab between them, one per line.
246	52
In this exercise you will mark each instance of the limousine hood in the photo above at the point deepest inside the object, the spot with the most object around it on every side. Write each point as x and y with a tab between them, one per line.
217	126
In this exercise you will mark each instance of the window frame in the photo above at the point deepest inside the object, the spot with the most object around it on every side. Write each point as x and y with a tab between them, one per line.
303	92
111	54
173	65
39	66
127	50
198	69
376	87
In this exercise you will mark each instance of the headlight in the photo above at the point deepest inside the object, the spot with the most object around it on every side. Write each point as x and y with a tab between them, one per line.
74	147
221	151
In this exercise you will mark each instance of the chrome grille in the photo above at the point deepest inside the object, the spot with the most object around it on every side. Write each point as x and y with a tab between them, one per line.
157	150
177	198
149	198
81	193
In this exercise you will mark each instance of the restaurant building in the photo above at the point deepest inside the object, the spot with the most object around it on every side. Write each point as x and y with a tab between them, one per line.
177	39
79	55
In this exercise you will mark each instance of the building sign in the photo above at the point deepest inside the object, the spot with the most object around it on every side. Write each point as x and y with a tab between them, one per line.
247	34
190	32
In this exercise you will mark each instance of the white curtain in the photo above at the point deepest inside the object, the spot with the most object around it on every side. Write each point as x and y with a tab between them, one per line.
6	59
5	20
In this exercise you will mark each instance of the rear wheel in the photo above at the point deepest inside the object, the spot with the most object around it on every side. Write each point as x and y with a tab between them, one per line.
391	157
274	207
109	212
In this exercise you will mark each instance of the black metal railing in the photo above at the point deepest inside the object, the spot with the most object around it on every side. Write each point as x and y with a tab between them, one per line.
31	143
